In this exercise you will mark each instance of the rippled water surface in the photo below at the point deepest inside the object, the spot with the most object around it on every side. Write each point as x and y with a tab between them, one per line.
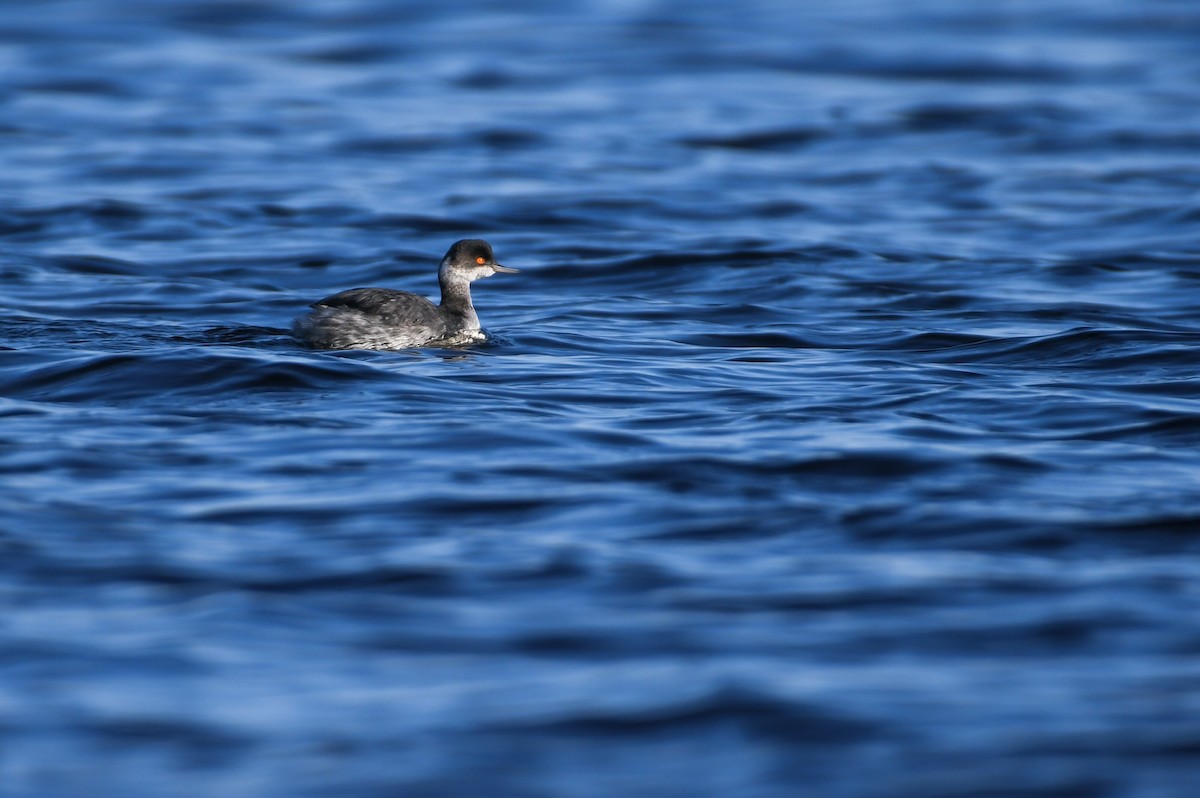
839	437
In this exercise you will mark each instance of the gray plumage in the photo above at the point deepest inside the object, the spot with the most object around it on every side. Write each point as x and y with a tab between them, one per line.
383	318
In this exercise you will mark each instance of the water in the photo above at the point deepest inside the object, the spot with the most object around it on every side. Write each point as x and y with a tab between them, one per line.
839	436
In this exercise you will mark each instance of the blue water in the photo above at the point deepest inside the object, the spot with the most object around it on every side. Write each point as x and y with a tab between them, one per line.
840	436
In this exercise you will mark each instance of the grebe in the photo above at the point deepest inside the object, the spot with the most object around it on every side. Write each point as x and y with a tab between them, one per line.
382	318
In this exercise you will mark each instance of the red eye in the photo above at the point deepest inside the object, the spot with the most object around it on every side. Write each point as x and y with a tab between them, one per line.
481	261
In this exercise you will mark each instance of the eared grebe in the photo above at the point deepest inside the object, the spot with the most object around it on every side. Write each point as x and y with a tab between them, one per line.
381	318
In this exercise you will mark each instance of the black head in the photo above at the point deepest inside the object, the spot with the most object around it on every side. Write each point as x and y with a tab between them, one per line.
474	258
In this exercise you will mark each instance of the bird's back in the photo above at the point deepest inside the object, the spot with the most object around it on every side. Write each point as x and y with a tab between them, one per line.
371	318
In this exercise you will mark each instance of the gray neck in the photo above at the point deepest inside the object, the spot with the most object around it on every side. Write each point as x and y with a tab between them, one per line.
456	297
